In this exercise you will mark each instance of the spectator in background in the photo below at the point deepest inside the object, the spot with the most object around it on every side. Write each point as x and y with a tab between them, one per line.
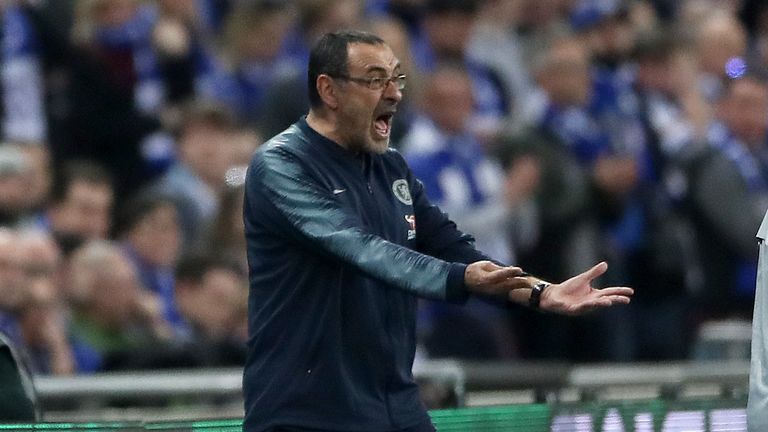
182	41
287	100
615	164
721	47
471	186
674	116
729	195
113	316
15	168
496	43
14	295
542	22
254	44
43	321
18	399
212	297
226	236
81	204
444	35
205	151
115	88
39	176
149	229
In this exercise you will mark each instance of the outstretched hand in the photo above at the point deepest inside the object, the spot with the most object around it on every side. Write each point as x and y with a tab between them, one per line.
576	295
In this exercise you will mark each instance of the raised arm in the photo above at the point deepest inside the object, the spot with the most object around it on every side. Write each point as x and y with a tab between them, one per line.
297	206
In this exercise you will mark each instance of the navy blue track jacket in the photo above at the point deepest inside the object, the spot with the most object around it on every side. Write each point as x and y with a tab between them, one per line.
340	245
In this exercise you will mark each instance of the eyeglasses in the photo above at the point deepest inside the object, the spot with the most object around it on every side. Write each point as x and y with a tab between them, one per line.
377	83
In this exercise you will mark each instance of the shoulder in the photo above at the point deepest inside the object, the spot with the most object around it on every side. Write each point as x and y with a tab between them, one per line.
282	155
288	143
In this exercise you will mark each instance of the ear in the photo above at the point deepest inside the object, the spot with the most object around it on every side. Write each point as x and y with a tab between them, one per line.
327	91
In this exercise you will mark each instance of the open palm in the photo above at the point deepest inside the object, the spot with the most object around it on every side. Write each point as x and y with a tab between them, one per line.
576	295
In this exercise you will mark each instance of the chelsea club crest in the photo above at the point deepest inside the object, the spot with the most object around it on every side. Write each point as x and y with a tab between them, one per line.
402	191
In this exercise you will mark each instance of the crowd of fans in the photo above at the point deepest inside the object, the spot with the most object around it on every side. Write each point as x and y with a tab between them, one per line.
557	132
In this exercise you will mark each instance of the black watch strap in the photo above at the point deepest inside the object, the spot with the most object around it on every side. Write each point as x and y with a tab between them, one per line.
535	298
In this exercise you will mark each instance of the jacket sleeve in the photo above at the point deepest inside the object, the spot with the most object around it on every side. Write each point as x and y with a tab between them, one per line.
297	206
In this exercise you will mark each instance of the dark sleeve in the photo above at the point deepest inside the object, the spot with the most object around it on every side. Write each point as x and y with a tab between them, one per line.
303	210
15	404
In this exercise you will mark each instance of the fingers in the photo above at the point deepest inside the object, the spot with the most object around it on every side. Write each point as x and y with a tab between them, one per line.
620	291
489	278
504	273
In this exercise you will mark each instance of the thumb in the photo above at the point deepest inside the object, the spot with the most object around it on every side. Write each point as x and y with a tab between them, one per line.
595	271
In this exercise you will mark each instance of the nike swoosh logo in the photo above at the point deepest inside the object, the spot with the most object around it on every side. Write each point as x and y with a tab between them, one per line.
338	191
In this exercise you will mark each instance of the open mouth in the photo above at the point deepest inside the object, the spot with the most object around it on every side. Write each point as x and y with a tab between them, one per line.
383	124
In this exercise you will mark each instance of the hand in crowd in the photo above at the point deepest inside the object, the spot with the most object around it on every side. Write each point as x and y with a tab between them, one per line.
522	179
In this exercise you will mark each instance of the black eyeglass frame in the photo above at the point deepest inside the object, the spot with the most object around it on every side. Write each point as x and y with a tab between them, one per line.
376	83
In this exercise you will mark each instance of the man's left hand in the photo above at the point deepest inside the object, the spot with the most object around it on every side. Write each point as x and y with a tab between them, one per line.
576	295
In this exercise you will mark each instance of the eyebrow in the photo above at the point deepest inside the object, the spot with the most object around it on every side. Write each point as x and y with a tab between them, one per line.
376	68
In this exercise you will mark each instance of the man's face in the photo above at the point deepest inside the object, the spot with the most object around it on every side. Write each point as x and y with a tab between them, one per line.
208	151
86	210
364	114
449	100
157	237
745	110
449	33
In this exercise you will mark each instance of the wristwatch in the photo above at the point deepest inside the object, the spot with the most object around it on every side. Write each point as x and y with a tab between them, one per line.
535	298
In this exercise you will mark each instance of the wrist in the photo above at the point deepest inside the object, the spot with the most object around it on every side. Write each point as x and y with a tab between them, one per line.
538	288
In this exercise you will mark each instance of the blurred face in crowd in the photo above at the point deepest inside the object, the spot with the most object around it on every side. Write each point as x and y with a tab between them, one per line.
332	15
43	319
207	150
745	111
13	286
110	13
13	201
40	259
365	114
212	304
541	13
157	236
38	179
448	99
611	40
86	210
449	33
263	38
721	37
114	292
565	74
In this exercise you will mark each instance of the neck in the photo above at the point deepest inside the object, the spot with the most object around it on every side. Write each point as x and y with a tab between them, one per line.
325	125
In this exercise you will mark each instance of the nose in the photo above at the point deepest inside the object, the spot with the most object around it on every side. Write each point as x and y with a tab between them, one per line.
392	92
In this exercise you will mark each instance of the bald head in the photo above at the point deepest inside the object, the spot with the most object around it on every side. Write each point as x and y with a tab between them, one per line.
720	38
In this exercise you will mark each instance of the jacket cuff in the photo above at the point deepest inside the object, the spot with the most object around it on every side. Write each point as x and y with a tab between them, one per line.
455	291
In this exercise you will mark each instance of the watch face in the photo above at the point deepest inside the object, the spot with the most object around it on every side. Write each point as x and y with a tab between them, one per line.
536	291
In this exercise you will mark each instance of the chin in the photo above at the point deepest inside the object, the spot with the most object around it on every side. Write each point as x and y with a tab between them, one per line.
378	147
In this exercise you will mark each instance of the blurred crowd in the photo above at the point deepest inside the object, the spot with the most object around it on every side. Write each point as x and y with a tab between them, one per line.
557	132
